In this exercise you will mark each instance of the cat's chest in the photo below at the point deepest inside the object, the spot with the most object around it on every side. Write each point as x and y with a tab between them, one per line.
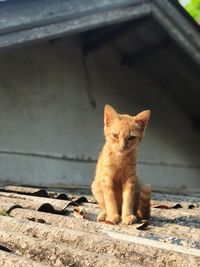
120	162
118	167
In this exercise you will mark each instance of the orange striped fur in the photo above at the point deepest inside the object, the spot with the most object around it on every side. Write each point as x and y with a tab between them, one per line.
116	185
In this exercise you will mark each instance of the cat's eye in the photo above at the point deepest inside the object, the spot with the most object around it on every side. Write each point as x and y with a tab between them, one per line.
131	138
115	135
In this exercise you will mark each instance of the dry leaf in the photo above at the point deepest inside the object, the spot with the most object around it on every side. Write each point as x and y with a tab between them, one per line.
191	206
41	221
31	219
143	225
80	212
4	212
177	206
162	207
107	222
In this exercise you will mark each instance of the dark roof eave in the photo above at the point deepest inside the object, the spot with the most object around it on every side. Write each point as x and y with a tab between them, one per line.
179	25
27	21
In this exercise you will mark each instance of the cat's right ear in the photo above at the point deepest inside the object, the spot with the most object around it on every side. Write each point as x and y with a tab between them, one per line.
142	119
110	114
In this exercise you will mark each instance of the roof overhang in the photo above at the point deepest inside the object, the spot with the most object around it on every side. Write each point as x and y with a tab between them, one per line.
30	21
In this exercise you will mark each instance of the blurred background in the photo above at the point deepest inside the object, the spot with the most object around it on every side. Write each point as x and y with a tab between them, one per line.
192	7
62	61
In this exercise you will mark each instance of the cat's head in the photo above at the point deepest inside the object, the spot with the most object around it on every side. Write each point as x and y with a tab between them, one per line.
123	132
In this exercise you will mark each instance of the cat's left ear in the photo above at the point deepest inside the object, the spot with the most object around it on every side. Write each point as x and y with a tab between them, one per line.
110	114
142	118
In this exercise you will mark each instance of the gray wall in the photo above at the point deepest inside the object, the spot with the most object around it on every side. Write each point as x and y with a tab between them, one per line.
45	92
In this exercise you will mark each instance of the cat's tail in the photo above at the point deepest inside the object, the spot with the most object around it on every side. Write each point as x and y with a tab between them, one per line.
144	207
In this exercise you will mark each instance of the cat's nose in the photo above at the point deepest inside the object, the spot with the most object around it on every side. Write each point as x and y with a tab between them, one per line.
122	146
121	149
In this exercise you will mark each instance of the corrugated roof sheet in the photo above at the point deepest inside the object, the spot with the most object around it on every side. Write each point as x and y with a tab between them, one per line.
42	238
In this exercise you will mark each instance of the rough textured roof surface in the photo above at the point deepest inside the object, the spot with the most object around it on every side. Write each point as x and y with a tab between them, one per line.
44	228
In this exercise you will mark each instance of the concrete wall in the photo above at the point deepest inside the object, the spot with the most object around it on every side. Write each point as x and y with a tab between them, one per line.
45	94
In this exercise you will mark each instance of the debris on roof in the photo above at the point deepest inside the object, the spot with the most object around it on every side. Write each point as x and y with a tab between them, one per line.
31	236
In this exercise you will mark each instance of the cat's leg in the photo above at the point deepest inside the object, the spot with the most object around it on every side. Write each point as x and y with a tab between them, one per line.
127	206
144	207
98	194
110	200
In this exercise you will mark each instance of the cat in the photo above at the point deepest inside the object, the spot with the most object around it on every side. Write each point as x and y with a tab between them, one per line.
116	185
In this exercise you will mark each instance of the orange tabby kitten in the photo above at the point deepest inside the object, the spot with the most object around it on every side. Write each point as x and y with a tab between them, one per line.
116	186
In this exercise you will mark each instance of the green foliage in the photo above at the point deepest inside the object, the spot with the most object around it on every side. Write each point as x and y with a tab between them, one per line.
193	9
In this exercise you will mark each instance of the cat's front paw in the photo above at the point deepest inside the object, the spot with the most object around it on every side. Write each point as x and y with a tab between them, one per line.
130	219
101	216
114	219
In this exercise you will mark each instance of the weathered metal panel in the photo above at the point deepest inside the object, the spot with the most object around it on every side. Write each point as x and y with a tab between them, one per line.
46	104
20	15
27	21
178	27
51	134
67	17
65	240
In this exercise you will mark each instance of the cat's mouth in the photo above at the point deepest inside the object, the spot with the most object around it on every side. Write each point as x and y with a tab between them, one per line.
122	150
125	150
